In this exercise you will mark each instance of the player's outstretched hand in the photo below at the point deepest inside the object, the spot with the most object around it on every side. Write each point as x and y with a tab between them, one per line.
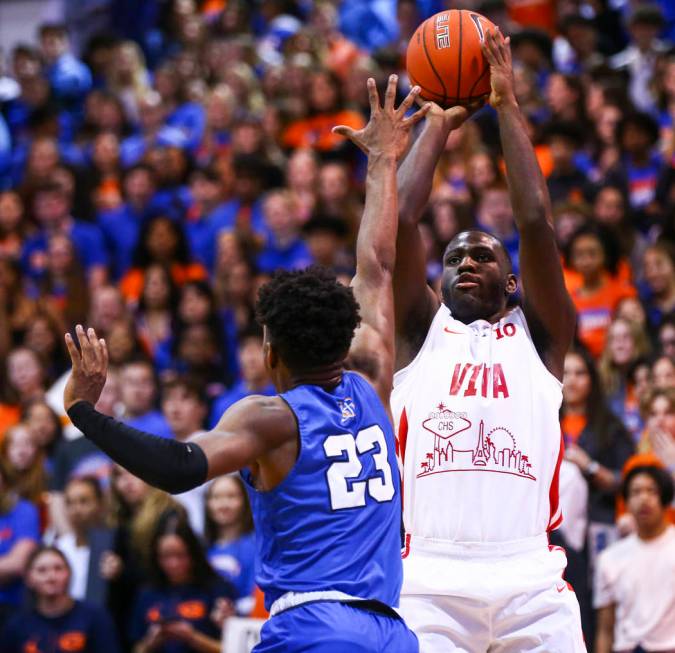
89	367
388	130
497	51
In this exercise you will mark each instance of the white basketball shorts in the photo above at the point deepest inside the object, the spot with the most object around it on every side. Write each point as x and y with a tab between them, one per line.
506	597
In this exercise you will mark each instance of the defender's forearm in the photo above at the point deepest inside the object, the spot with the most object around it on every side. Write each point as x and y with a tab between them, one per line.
527	186
169	465
416	172
376	243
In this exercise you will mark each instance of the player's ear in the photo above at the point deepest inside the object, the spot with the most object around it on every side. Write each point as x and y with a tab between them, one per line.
511	284
271	356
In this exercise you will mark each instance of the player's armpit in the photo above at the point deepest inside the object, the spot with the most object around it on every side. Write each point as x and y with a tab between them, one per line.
250	430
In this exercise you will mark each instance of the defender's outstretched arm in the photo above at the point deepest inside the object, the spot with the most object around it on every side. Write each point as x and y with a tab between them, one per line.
385	139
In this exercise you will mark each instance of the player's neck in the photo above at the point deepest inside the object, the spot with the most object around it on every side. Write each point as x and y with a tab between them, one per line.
326	377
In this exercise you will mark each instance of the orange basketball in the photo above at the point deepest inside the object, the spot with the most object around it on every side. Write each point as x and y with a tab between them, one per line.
445	60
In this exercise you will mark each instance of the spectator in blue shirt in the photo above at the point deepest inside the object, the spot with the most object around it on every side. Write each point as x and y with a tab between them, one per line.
230	537
19	535
121	226
254	376
56	622
138	395
69	78
284	248
51	208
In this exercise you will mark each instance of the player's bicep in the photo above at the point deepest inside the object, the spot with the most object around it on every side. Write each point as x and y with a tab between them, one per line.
247	431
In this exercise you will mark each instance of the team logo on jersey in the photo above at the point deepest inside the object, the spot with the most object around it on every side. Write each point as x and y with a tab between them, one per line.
347	409
462	446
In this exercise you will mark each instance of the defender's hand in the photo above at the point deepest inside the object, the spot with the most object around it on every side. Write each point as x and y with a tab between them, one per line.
498	54
454	117
388	130
89	370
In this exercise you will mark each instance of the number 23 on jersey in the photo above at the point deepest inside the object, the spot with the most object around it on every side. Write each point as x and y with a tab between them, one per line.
345	491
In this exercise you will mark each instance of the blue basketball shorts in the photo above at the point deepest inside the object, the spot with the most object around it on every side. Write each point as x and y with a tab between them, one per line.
334	627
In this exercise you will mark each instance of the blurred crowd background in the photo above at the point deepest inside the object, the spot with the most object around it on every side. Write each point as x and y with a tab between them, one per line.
158	160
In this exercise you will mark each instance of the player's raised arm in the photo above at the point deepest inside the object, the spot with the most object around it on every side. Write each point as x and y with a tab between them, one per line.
415	303
249	429
545	298
385	139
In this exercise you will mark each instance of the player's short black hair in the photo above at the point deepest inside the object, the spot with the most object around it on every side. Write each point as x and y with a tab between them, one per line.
660	476
310	317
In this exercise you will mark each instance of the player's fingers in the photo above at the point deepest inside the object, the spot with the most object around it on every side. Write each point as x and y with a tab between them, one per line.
95	344
390	93
104	356
72	350
417	116
409	100
487	48
343	130
85	345
373	97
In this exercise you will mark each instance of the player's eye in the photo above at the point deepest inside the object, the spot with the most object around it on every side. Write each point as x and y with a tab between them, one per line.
453	260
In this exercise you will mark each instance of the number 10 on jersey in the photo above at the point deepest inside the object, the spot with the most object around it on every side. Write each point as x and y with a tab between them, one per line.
341	473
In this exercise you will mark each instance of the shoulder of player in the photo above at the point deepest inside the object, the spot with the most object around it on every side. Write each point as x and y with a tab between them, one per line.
264	414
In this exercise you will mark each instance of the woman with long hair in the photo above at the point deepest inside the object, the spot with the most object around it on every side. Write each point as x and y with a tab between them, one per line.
596	441
186	603
230	537
22	462
136	508
55	621
626	343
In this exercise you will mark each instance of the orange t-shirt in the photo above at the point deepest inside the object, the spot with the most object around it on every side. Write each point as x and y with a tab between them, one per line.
131	285
9	416
573	280
316	131
572	426
595	310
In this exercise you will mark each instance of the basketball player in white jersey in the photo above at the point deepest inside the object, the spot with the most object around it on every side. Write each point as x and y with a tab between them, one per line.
476	401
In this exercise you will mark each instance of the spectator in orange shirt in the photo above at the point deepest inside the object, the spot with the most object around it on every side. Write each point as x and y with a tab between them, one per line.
590	253
161	241
325	111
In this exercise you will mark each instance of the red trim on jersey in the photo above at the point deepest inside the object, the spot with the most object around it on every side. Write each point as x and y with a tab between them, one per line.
401	441
555	515
406	546
402	438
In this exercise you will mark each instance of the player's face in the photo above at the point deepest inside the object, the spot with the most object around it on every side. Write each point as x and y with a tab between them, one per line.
476	281
644	502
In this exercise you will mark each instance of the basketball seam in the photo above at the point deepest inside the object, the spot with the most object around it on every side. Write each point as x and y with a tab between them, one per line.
478	80
426	90
431	63
459	61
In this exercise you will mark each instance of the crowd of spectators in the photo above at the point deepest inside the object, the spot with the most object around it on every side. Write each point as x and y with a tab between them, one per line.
159	160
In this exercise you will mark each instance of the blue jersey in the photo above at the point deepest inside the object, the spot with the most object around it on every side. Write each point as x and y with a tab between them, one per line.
334	522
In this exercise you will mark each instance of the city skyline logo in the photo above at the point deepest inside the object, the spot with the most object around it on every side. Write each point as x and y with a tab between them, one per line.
460	446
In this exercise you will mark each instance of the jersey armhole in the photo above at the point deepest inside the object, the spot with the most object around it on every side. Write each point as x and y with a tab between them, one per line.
401	375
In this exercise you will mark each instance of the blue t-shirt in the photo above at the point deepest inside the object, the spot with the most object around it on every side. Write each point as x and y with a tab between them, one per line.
151	422
186	602
20	523
85	628
234	394
87	240
235	562
294	256
334	522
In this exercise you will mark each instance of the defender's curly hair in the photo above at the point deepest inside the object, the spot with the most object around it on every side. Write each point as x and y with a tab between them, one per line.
310	317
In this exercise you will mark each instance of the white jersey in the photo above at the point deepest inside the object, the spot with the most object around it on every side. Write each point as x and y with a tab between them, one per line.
478	433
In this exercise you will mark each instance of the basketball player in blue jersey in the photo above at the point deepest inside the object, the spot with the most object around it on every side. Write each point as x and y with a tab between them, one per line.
319	457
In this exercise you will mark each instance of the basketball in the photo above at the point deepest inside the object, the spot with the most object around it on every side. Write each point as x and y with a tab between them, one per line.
445	59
